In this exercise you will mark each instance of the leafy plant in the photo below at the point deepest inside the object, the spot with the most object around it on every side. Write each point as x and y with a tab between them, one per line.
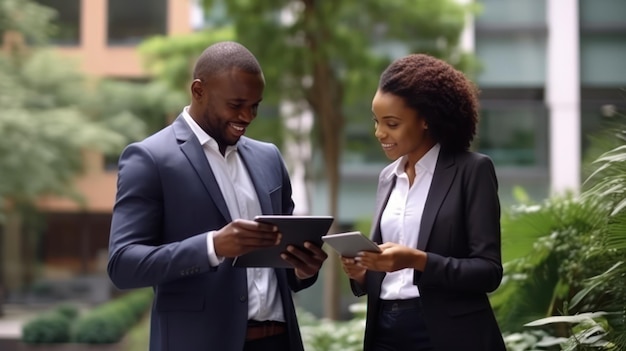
50	327
576	266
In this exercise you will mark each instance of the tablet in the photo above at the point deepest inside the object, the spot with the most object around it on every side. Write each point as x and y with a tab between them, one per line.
295	231
350	243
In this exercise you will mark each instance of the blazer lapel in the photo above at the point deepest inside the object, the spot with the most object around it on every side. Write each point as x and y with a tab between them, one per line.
382	196
193	151
442	180
253	164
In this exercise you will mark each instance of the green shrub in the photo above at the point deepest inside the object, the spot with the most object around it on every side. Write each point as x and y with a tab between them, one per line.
327	335
48	328
68	310
109	322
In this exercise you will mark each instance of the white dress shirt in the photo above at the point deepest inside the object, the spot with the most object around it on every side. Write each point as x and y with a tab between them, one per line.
401	219
263	296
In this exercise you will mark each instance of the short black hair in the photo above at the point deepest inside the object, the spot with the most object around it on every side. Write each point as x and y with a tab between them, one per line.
442	95
223	56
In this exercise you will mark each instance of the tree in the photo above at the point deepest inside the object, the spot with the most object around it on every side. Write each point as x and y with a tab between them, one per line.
330	53
48	118
326	54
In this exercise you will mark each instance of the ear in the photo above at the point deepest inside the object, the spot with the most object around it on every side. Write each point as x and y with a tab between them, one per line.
197	89
424	124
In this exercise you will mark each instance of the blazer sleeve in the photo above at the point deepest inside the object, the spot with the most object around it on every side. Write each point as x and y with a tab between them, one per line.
480	270
137	255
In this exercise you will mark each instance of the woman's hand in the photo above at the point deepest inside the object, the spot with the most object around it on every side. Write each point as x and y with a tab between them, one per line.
393	257
354	271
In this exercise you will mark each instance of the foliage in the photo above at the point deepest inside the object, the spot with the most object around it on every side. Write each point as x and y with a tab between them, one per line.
170	60
133	109
575	266
109	322
329	335
50	327
26	17
538	282
43	132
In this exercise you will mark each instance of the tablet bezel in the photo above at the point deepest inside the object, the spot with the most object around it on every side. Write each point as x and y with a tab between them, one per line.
295	231
348	244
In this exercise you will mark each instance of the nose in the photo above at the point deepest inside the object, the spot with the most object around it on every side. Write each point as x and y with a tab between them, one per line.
247	114
378	133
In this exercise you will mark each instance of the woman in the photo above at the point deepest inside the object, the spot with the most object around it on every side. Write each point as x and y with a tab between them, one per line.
437	217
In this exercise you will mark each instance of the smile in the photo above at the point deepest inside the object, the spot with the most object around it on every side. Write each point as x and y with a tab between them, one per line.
238	128
386	146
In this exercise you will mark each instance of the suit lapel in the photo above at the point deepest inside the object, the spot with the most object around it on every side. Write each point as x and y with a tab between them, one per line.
382	196
258	175
442	180
192	149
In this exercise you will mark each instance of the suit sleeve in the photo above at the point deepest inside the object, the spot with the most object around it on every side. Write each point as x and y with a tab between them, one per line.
481	269
137	256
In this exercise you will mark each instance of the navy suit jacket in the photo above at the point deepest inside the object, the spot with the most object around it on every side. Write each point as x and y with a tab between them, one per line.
167	196
460	231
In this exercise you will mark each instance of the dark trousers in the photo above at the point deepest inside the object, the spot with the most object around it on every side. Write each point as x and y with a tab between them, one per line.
401	326
274	343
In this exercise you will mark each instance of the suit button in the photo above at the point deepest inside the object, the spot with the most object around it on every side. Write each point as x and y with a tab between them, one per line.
242	298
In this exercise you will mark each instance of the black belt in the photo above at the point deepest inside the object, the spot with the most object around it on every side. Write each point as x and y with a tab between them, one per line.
397	305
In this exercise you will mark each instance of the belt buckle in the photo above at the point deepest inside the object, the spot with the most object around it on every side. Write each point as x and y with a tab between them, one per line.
395	307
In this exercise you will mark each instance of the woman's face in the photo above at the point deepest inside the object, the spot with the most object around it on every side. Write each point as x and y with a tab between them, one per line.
399	128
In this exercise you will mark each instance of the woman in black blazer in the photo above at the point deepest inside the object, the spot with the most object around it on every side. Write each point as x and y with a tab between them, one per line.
437	217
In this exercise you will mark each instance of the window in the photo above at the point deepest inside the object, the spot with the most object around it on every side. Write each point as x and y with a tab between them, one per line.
514	135
67	21
129	22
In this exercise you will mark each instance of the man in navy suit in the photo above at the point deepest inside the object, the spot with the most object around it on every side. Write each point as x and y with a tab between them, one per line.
185	199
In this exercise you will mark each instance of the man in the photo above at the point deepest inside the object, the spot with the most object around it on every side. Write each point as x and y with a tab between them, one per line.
185	199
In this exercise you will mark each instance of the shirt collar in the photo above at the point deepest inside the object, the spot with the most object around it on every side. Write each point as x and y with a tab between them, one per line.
203	137
427	163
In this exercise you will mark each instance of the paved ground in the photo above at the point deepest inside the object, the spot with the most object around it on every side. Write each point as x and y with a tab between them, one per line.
13	319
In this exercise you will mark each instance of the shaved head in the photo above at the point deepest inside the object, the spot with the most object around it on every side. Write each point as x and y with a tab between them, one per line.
222	57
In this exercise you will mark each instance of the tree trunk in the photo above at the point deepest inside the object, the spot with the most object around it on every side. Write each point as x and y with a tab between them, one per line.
12	275
325	97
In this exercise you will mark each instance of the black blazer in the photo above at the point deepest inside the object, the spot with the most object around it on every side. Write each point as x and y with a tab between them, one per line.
460	231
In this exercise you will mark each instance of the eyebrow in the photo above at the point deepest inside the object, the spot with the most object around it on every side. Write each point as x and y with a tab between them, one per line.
238	100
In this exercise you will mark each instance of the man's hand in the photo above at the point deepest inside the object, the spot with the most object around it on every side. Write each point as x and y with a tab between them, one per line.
306	261
242	236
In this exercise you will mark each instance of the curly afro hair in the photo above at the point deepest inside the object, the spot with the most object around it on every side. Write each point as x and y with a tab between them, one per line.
440	94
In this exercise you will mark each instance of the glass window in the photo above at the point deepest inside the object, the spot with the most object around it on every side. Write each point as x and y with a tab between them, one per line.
513	134
602	59
512	12
512	61
67	21
602	13
129	22
603	110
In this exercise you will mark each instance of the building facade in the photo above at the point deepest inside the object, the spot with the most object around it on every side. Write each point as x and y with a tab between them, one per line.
102	37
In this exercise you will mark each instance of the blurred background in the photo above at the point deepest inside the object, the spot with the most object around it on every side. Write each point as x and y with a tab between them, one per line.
80	79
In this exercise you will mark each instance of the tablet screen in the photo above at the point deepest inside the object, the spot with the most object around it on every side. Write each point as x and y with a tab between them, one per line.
295	231
350	243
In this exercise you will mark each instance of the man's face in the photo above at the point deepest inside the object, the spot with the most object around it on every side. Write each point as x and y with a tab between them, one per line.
228	104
